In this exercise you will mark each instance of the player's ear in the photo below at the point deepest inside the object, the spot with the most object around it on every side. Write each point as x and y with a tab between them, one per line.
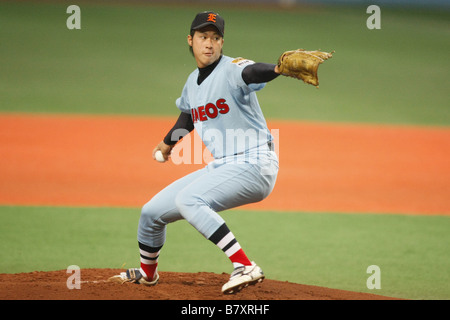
190	42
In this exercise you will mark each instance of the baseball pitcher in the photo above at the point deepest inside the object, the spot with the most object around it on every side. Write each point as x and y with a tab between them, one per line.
218	101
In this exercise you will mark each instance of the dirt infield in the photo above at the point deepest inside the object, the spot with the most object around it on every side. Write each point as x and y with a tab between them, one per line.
74	160
172	286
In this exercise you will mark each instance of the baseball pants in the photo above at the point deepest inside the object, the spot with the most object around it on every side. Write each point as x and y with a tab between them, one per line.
197	197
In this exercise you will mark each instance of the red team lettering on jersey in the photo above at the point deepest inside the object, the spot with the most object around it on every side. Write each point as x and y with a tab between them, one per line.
209	111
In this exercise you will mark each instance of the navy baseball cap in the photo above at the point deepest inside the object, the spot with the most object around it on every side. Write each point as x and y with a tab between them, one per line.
207	18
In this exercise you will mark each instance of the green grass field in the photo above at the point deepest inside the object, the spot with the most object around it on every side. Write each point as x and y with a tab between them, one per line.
324	249
134	60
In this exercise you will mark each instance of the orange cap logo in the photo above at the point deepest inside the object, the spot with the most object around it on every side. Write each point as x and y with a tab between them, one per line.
211	17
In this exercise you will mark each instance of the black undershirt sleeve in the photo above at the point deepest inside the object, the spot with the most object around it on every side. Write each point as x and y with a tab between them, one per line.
184	122
259	73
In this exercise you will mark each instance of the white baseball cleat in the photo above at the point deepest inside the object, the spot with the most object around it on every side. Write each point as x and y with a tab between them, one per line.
134	276
242	277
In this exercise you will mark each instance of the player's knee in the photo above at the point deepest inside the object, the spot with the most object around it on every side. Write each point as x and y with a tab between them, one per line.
187	203
149	213
182	201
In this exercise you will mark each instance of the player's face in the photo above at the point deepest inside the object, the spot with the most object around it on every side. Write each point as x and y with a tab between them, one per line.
207	46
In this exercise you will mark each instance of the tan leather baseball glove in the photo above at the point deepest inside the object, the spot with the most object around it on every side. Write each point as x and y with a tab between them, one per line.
302	64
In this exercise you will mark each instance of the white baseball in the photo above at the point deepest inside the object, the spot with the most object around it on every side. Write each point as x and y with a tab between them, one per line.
159	156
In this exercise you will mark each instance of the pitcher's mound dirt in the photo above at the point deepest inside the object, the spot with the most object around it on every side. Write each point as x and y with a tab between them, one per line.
52	285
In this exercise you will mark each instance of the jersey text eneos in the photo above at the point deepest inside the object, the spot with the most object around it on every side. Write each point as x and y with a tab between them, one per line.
209	111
